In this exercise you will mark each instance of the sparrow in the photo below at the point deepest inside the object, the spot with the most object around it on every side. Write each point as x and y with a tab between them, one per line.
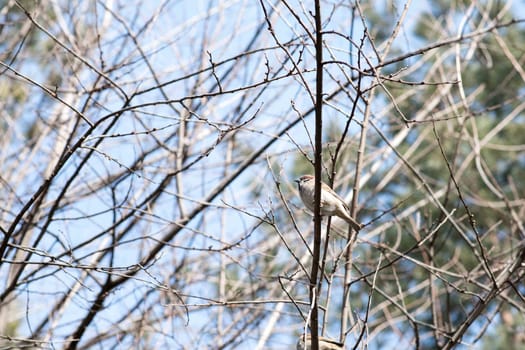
331	203
324	343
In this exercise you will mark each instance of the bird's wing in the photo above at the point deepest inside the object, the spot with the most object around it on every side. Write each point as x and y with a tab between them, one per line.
341	199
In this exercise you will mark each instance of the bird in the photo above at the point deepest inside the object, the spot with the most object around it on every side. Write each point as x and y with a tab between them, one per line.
324	343
331	204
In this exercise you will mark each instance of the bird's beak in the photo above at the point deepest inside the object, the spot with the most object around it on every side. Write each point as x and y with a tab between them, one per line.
297	180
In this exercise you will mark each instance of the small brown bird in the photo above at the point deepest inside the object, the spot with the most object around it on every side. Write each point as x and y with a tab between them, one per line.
331	203
324	343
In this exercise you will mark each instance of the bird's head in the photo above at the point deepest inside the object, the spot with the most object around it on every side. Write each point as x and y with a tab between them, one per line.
304	178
